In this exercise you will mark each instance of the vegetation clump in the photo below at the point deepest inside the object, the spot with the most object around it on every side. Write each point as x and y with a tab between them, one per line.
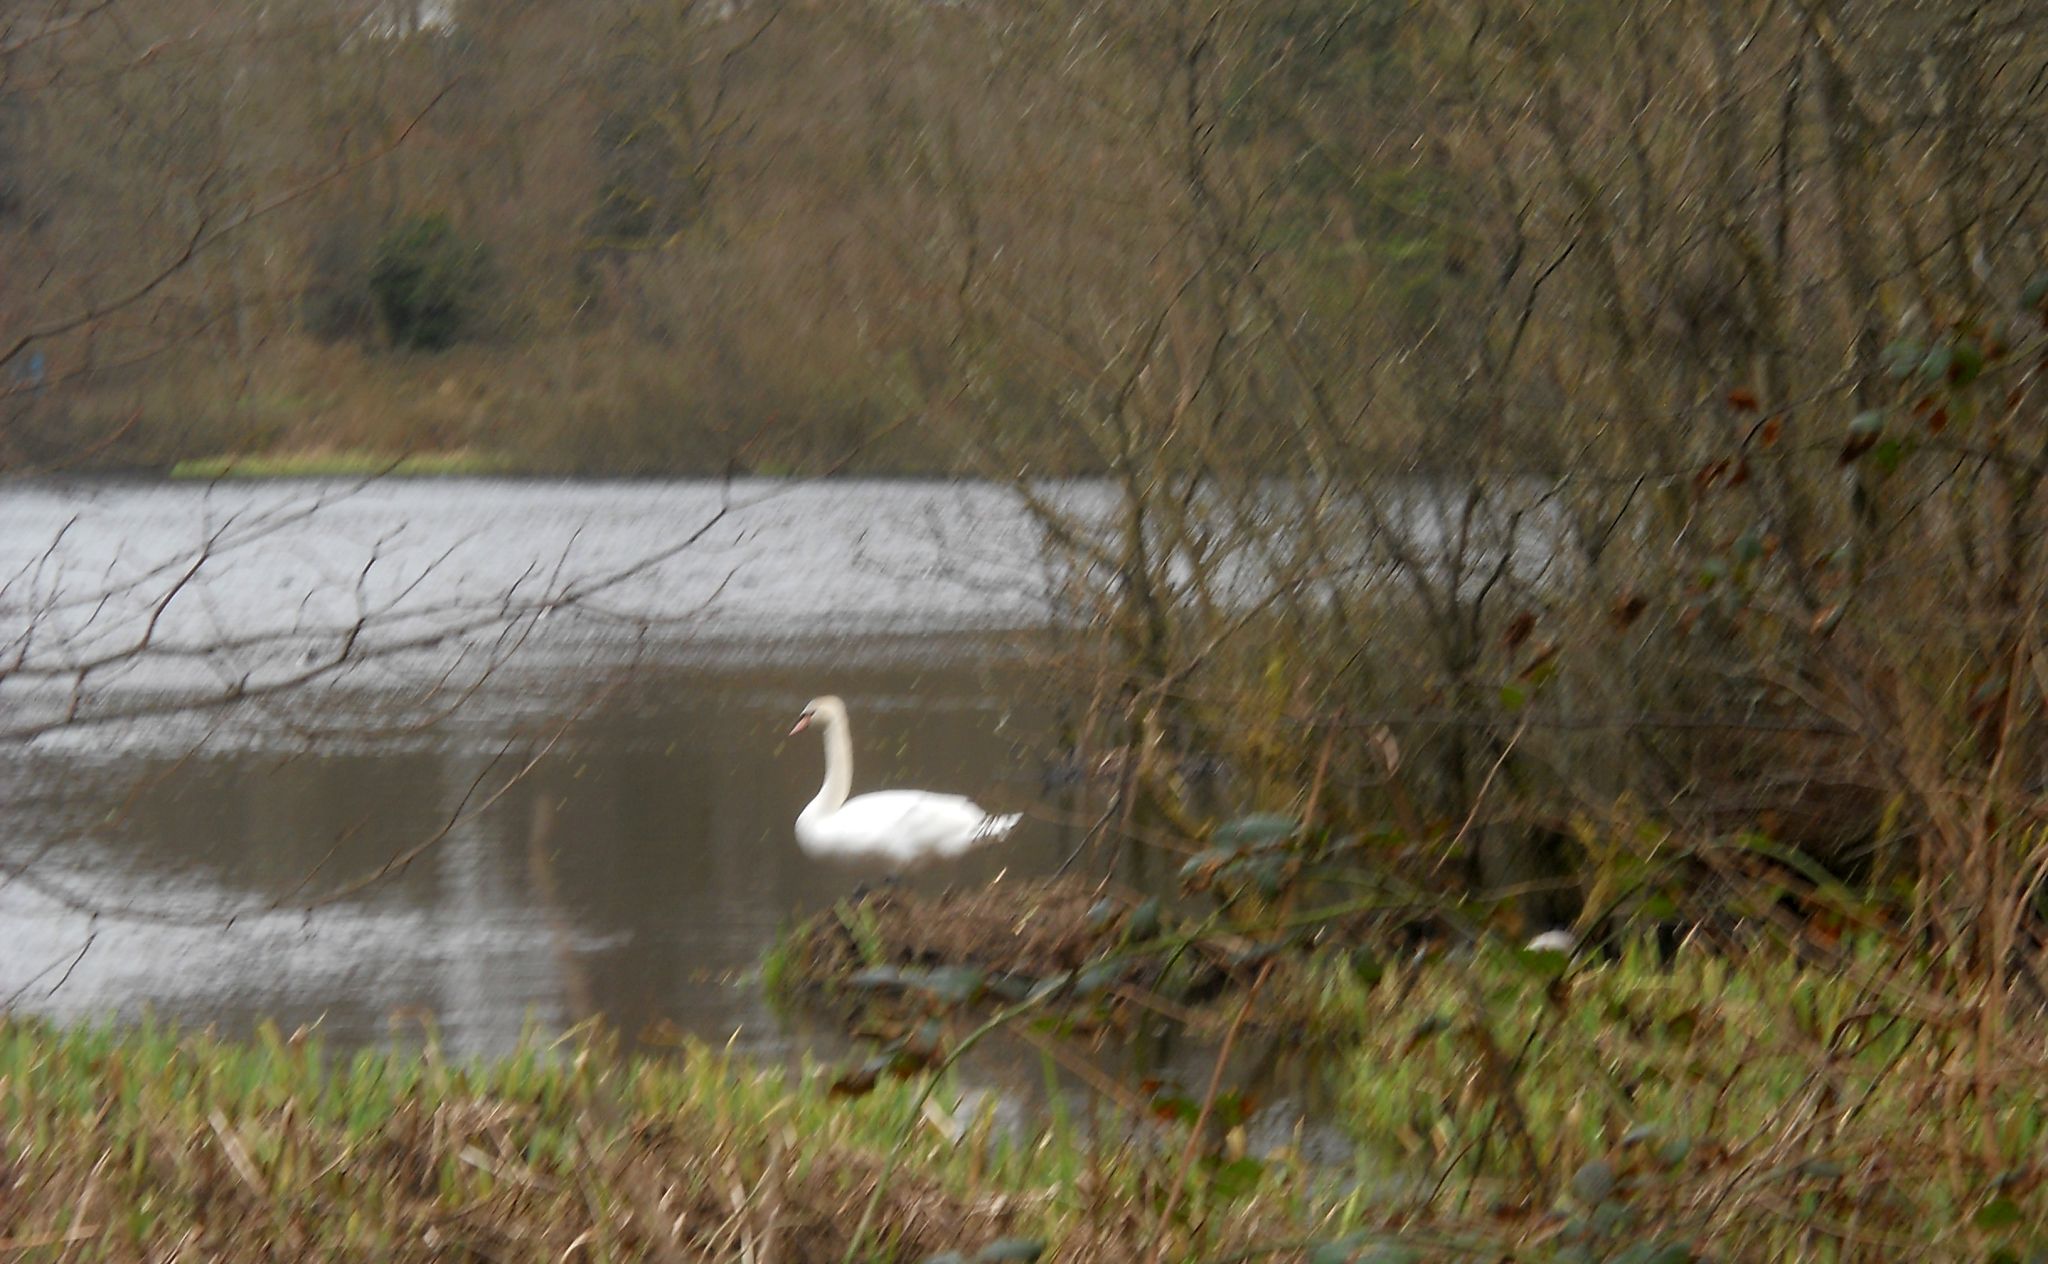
1059	940
1744	1105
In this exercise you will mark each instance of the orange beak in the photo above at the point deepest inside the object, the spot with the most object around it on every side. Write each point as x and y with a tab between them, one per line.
802	722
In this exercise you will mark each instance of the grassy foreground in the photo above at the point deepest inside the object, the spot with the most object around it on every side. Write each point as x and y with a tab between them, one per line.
146	1143
1504	1106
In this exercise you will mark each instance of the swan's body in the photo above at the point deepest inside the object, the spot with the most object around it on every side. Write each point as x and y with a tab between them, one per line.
899	826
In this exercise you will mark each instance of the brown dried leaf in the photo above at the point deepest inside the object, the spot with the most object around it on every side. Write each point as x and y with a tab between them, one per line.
1855	446
1628	609
1518	629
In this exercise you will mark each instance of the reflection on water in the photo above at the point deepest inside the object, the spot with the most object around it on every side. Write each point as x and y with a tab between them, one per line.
665	865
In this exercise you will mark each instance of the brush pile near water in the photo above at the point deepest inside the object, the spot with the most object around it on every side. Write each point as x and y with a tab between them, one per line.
1065	946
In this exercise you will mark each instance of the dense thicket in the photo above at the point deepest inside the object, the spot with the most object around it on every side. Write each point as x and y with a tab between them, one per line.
1662	386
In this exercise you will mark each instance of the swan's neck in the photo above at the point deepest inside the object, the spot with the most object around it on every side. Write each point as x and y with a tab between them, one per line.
838	769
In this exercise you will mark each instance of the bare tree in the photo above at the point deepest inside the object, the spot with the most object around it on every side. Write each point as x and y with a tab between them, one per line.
1617	411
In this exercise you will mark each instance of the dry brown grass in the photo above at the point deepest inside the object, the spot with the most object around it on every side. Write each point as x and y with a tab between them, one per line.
153	1146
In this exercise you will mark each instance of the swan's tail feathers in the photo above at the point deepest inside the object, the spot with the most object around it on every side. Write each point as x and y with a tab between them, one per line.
987	830
991	829
997	826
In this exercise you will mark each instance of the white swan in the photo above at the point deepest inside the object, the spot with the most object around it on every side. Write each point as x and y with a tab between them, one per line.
902	826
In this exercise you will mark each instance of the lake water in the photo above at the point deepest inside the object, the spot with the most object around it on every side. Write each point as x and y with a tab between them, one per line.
229	708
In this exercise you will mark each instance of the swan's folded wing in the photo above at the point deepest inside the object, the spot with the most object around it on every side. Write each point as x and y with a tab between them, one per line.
912	824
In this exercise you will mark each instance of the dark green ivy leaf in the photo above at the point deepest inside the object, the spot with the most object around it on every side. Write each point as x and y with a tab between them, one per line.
1999	1213
1594	1182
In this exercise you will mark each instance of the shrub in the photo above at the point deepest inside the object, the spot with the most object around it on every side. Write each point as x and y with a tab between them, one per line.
427	280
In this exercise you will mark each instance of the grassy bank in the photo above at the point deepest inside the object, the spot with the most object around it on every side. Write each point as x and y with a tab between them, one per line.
124	1145
1504	1106
148	1142
352	463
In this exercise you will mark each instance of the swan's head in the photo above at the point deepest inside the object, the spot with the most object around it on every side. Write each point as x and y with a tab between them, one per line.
826	711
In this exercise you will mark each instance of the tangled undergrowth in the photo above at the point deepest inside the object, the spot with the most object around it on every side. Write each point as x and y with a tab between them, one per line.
1752	1098
1754	1104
